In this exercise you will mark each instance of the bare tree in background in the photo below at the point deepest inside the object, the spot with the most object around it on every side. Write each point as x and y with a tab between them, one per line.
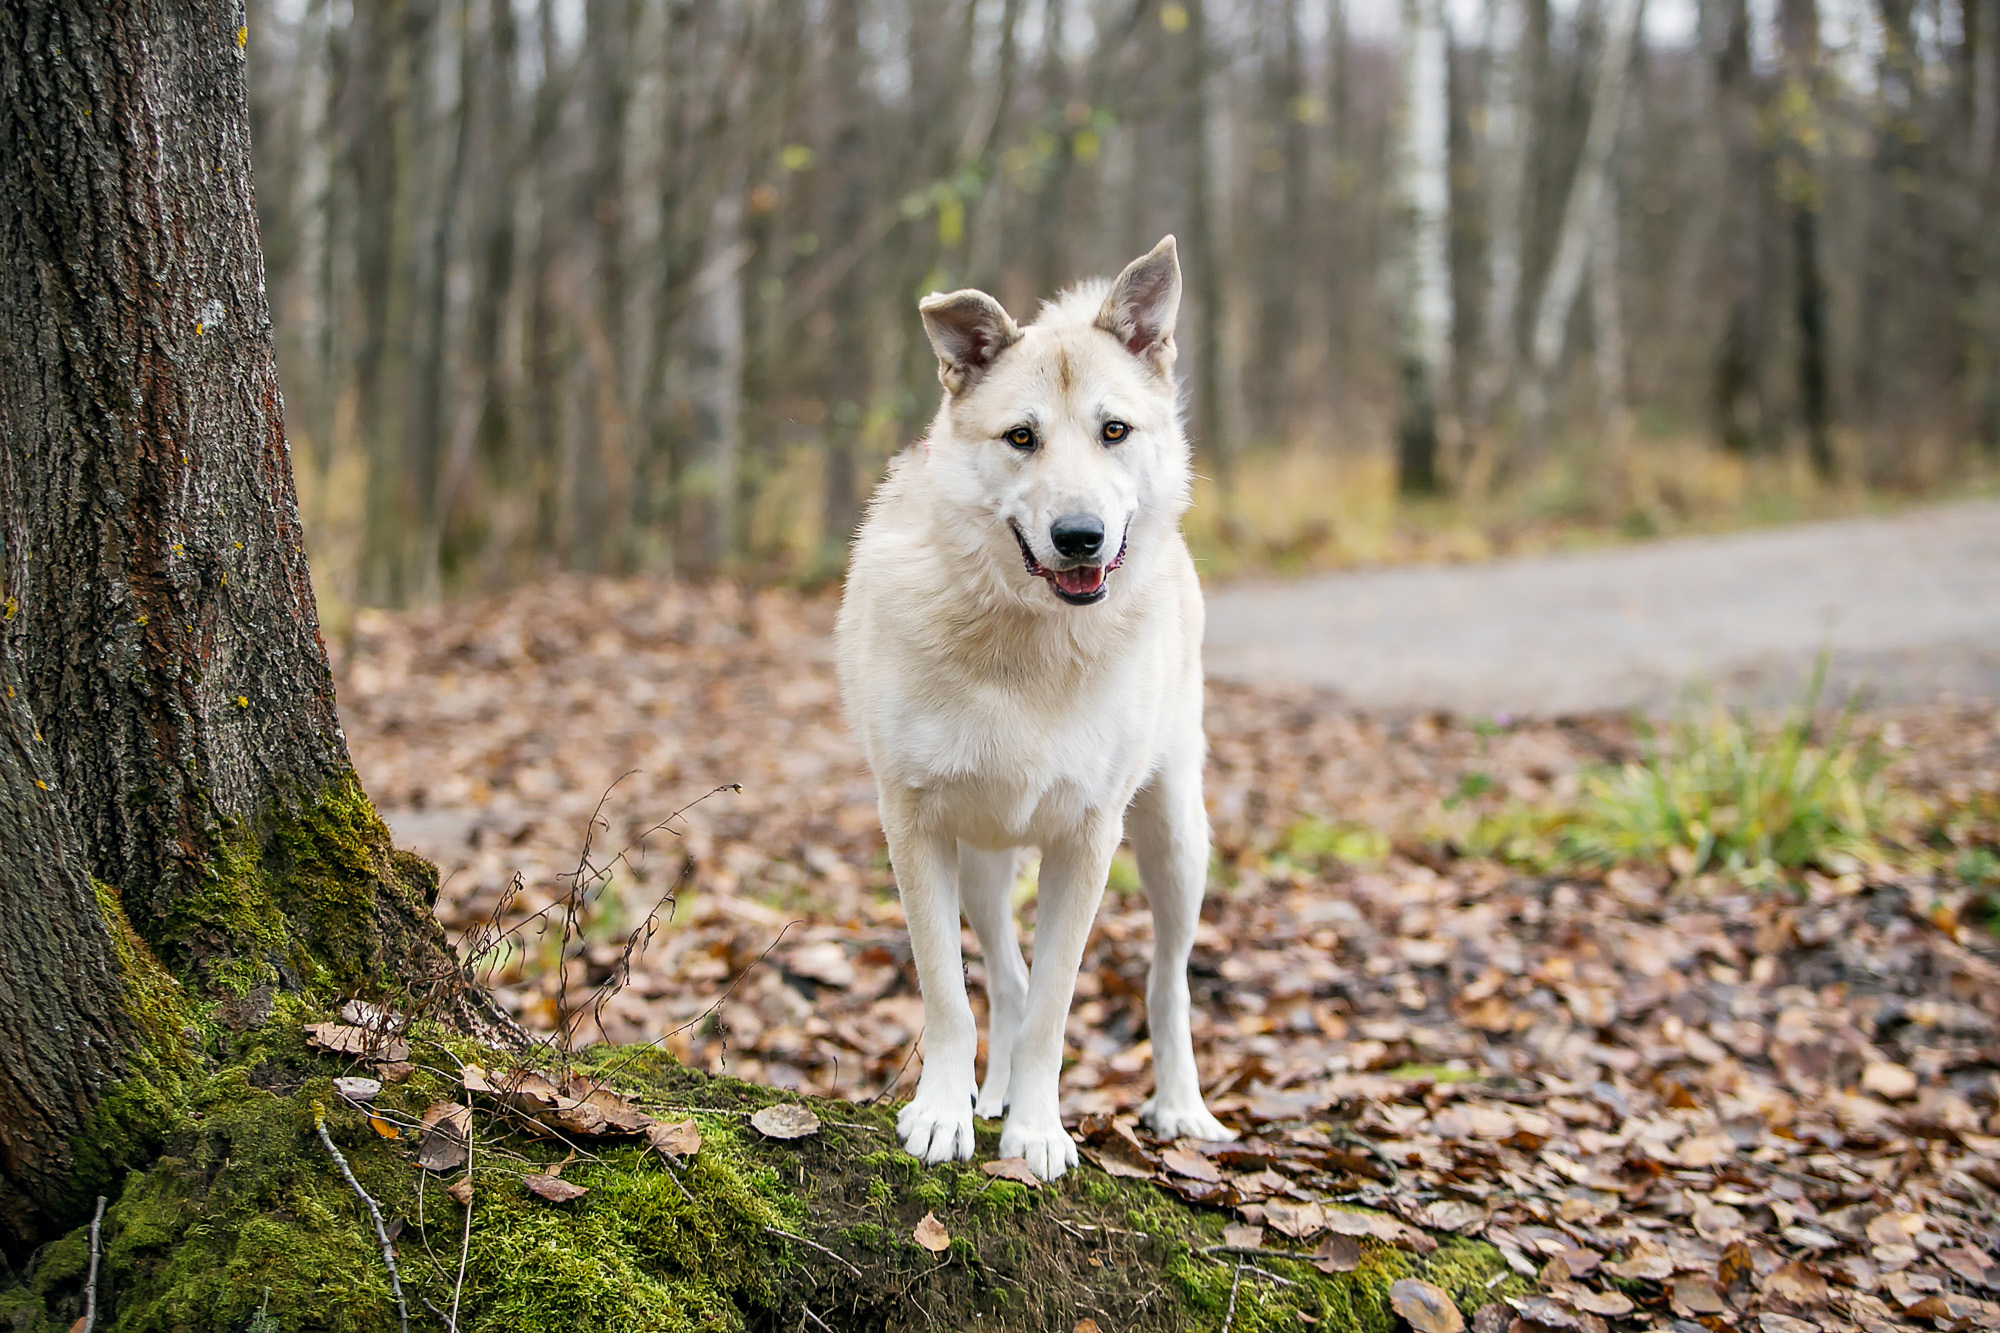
1424	294
1802	133
1510	102
629	284
1587	223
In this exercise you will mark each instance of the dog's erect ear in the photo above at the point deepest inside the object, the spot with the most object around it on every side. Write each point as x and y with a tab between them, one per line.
1142	305
968	329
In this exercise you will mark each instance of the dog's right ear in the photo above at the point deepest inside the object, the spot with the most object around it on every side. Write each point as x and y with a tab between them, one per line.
968	329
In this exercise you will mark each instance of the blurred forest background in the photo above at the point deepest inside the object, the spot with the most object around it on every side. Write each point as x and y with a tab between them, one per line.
618	285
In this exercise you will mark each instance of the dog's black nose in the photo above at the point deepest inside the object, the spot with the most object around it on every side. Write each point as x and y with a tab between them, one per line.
1077	536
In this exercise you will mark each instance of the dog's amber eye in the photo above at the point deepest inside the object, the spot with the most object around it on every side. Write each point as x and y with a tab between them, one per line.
1021	437
1115	431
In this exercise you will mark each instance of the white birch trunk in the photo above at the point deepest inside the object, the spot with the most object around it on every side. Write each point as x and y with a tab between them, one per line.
1607	317
1580	216
1426	287
715	366
1430	187
1508	107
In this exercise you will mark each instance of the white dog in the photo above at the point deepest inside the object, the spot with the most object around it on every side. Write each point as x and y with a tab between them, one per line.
1020	652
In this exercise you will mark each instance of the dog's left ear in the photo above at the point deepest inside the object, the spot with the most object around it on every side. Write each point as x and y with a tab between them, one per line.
968	329
1143	303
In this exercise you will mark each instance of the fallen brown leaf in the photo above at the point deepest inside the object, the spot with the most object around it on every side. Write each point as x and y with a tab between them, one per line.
930	1234
679	1139
1190	1164
1337	1254
553	1188
786	1120
1244	1235
1609	1303
1015	1169
1970	1264
1796	1283
1427	1308
446	1125
1695	1295
346	1039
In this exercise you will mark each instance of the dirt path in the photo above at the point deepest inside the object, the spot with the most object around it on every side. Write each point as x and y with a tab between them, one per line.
1909	605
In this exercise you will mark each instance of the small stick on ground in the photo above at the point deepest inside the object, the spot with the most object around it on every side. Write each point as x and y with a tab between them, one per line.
465	1241
1230	1318
90	1283
374	1214
821	1248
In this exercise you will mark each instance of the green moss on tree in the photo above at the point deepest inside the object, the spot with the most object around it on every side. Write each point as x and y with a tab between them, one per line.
245	1223
312	898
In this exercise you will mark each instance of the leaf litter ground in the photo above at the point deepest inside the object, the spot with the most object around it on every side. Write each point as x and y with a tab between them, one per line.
1669	1104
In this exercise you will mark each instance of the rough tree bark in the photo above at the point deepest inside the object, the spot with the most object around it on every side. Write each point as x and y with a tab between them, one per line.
170	723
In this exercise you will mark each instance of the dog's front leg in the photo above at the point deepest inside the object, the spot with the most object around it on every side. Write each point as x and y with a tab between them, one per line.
985	887
937	1124
1072	885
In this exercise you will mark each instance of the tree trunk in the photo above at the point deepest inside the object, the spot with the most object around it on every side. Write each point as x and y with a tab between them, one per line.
1736	371
1509	118
850	364
1580	216
1983	169
1799	180
1426	316
170	712
1607	324
1213	439
708	520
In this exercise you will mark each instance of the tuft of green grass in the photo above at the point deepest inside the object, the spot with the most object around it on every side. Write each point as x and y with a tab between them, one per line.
1717	792
1314	843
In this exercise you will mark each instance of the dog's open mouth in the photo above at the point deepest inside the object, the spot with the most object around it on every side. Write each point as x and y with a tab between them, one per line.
1079	585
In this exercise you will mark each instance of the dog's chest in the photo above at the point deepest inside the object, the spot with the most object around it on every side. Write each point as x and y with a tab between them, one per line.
1008	765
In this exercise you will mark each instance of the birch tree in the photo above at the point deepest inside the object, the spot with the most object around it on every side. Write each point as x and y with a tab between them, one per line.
1425	295
1581	219
1509	122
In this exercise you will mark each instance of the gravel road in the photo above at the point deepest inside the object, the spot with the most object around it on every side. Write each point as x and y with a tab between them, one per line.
1909	607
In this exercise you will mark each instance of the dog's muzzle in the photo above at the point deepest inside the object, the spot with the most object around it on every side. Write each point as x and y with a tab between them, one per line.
1079	585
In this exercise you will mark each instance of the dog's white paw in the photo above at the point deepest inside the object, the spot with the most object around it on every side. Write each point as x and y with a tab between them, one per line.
1184	1122
936	1127
1048	1148
992	1102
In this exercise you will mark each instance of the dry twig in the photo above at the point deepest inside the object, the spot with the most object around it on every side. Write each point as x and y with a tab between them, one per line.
1230	1318
374	1215
90	1283
817	1246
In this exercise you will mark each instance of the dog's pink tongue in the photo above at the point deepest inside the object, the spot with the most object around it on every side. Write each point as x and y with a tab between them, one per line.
1081	581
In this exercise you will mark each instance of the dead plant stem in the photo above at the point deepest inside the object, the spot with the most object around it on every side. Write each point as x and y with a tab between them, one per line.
96	1251
374	1215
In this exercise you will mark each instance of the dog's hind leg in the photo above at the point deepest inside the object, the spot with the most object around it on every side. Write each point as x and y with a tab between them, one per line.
937	1124
1168	829
985	889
